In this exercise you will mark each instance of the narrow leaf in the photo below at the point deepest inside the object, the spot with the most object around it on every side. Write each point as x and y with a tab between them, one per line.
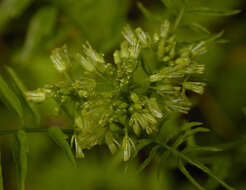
148	14
198	165
212	12
149	159
10	9
189	133
23	90
36	30
142	143
188	176
59	138
1	176
168	3
201	149
9	98
198	28
20	150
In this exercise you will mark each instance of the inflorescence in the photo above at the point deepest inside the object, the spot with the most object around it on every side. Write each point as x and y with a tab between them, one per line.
111	104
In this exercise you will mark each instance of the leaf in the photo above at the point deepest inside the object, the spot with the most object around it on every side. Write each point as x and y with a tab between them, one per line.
198	165
168	3
10	9
23	90
9	98
201	148
40	26
141	144
20	150
59	138
188	176
198	27
221	167
212	12
148	14
1	176
189	133
149	159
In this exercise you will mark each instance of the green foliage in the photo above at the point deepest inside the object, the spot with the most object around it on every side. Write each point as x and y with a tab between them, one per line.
20	150
9	98
59	138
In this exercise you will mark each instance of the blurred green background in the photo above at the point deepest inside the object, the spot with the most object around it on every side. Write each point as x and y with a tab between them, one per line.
30	29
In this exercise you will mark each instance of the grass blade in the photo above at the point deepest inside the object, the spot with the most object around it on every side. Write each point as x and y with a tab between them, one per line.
59	138
9	98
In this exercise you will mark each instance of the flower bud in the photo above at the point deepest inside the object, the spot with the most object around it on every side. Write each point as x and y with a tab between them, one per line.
134	97
143	37
36	96
90	52
129	35
165	27
127	146
154	108
60	58
199	49
86	64
197	87
111	142
117	59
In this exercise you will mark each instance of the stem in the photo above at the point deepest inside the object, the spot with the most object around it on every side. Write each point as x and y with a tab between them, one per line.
32	130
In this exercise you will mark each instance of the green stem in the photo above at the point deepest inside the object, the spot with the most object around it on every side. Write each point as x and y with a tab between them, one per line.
32	130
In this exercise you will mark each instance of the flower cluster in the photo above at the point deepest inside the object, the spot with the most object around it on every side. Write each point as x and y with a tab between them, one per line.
110	104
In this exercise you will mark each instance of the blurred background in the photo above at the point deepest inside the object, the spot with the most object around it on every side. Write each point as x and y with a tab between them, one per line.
30	29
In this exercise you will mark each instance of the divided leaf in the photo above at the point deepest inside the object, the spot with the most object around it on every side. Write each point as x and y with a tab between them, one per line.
198	165
20	150
9	98
59	138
